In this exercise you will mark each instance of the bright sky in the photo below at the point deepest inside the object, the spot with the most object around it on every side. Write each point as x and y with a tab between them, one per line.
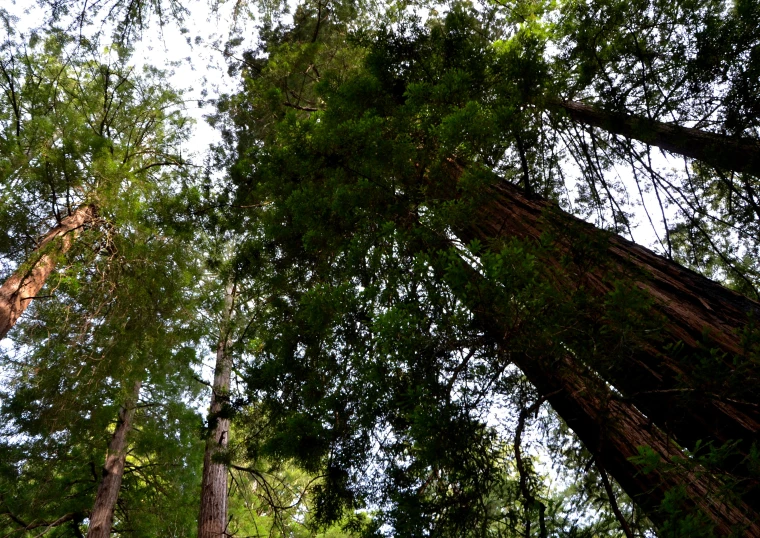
189	53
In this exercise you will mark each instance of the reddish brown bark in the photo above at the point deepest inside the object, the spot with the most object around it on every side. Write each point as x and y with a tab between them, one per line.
610	427
613	431
19	289
212	521
648	374
720	151
101	518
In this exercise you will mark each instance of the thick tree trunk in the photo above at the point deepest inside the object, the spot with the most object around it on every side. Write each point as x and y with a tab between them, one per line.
101	518
212	522
665	385
611	427
720	151
20	288
613	430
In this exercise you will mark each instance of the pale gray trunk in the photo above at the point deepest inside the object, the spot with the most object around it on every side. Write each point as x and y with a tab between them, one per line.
212	521
101	518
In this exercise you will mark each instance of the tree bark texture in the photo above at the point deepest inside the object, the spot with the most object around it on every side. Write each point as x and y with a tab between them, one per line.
613	430
611	427
697	312
101	518
19	289
721	151
212	521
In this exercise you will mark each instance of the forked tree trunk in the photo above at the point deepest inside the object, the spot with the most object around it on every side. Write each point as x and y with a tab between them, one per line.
19	289
212	521
721	151
101	518
697	312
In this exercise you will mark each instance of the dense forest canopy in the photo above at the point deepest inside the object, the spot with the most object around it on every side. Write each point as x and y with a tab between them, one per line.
411	258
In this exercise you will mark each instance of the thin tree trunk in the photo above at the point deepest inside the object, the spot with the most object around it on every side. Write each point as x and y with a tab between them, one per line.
697	312
101	518
20	288
720	151
212	521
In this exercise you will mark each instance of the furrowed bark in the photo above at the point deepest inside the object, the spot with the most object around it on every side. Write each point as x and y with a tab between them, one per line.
19	289
721	151
101	518
611	428
697	312
212	521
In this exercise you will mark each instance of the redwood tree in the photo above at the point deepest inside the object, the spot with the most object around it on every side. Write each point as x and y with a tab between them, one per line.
84	142
93	146
410	146
18	291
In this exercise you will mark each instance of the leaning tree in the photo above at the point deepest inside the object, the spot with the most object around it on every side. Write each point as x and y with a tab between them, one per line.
440	148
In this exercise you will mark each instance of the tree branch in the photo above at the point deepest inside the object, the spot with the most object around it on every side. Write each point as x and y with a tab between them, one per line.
613	502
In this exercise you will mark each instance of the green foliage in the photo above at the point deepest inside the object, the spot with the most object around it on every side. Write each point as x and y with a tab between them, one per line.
371	370
118	309
76	131
372	356
376	400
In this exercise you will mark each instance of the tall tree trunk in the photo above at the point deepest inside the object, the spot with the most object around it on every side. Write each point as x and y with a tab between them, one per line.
614	430
101	518
20	288
720	151
610	427
700	314
212	521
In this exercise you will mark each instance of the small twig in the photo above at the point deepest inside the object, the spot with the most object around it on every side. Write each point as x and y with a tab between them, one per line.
613	502
304	108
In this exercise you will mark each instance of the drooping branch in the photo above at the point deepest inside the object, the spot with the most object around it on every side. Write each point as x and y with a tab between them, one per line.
613	501
13	95
524	165
73	516
530	499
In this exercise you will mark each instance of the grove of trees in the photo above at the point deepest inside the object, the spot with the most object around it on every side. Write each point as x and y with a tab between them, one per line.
451	269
